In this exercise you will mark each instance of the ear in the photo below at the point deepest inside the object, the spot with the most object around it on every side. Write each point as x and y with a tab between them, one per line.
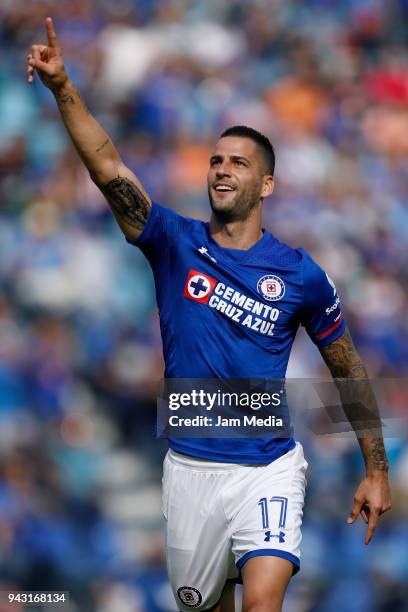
268	186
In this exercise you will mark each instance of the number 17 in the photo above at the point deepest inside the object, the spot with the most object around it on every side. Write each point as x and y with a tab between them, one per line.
263	502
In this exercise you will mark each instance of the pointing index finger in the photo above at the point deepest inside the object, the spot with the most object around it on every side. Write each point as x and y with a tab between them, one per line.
52	37
372	525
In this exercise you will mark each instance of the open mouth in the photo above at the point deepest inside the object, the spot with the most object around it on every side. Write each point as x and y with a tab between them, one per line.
223	188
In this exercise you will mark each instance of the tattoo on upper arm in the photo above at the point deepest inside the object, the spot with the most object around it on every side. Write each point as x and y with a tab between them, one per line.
128	201
102	146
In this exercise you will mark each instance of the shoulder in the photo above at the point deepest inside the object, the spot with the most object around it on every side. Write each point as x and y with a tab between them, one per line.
169	216
318	287
314	278
164	223
313	274
284	254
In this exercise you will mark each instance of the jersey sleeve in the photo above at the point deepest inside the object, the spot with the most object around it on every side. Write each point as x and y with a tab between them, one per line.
162	228
321	316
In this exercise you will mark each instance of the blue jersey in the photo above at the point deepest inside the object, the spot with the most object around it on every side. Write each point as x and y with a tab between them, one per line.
227	313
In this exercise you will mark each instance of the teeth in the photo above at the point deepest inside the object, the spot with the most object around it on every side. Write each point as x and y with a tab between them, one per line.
223	188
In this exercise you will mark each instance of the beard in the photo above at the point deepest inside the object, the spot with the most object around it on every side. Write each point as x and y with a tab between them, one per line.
238	207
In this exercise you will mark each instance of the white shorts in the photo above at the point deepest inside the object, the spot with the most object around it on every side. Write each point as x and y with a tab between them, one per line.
219	515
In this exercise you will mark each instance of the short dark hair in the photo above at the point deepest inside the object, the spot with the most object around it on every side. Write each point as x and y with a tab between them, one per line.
262	141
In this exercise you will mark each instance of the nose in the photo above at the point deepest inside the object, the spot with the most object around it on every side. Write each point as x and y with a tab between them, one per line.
223	170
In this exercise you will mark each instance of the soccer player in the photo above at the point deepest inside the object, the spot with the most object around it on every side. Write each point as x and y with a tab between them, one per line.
231	298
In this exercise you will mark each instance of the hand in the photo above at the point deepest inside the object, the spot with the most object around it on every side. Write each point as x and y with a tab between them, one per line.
47	61
372	498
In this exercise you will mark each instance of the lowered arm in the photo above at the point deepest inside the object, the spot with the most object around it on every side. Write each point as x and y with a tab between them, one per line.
373	496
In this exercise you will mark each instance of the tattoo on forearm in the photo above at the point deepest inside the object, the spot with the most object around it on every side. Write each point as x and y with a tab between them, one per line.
127	201
359	403
378	455
69	100
102	145
66	99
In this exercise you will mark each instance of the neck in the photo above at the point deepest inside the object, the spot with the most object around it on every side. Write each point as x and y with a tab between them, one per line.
240	234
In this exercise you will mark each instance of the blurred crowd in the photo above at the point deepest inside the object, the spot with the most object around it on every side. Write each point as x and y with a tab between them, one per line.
80	352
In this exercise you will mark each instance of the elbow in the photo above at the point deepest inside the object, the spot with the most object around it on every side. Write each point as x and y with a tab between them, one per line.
354	370
96	177
103	174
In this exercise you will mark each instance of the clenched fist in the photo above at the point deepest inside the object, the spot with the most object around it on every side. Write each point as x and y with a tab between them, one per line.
47	61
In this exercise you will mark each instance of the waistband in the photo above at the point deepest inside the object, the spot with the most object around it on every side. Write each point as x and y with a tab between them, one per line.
202	464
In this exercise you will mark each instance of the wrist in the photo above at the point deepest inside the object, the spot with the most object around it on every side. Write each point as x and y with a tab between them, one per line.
66	87
378	471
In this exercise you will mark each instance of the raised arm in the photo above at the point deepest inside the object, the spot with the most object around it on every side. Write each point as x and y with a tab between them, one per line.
372	497
124	193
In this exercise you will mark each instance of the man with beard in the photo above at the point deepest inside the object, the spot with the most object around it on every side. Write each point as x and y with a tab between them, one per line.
231	298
